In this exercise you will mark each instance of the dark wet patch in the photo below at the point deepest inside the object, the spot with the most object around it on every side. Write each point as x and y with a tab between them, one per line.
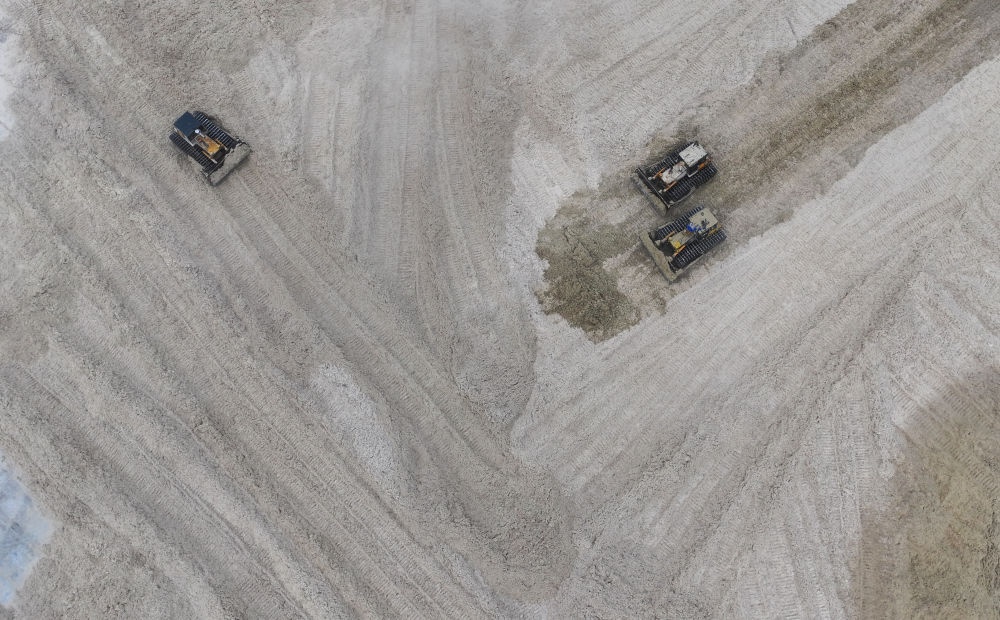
581	288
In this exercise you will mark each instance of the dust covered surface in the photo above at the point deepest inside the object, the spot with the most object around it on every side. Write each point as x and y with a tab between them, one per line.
933	549
410	359
805	119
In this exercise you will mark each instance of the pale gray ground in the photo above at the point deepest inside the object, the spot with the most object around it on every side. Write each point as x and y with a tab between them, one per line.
408	362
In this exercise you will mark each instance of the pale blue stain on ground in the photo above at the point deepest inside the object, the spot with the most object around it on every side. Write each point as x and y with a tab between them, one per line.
23	531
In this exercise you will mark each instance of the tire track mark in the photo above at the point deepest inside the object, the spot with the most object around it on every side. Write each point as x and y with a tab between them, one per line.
880	66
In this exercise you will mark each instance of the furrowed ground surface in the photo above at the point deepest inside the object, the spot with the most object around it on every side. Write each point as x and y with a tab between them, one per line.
803	121
409	360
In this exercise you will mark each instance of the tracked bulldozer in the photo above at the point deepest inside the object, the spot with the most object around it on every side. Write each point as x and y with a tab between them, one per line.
673	178
212	147
676	245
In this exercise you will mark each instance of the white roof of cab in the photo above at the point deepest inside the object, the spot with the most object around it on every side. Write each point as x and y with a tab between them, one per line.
693	153
704	218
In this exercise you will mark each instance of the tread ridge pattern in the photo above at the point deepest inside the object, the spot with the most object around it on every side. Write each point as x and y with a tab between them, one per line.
697	249
675	226
193	152
215	132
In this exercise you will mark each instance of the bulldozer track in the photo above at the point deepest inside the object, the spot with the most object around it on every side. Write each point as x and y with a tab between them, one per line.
676	225
207	164
697	249
212	130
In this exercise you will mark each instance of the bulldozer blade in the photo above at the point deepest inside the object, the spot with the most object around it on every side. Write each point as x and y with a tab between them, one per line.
658	257
232	161
639	178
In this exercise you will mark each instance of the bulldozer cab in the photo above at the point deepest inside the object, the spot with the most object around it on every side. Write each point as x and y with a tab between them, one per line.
693	154
702	221
190	127
187	125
